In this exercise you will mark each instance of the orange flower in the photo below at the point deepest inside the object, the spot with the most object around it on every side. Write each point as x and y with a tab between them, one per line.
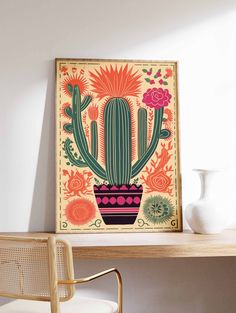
74	80
93	112
77	184
169	72
64	69
159	182
111	82
80	211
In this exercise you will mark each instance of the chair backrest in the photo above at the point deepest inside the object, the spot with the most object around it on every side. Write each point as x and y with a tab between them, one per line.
25	268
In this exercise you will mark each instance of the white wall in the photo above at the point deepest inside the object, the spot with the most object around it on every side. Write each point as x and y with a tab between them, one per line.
201	36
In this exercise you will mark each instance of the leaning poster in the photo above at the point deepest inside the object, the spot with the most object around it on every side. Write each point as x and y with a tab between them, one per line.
117	146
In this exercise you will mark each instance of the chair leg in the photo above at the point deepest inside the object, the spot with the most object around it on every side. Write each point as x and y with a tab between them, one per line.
52	263
55	307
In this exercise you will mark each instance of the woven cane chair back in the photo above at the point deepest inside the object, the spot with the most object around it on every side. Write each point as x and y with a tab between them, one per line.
24	268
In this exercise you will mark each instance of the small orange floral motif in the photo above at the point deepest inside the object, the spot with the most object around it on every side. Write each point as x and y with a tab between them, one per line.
78	184
80	211
93	112
64	70
169	72
168	118
167	122
159	177
74	80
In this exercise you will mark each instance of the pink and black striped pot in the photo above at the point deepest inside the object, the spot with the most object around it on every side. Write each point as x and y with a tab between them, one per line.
118	204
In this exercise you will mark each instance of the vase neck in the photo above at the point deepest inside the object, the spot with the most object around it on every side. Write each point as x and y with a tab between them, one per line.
208	184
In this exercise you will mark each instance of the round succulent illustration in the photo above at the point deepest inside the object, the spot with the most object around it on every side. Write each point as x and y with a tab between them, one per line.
158	209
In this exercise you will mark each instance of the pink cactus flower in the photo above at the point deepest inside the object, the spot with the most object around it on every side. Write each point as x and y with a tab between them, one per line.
157	98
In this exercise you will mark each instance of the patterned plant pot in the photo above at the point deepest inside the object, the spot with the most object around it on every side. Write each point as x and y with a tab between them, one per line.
118	204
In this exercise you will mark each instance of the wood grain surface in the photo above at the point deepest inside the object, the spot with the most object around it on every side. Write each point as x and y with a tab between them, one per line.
147	245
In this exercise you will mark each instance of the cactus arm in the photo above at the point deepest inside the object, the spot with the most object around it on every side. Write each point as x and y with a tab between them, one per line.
138	166
94	139
142	132
68	111
85	102
70	156
165	133
80	138
68	128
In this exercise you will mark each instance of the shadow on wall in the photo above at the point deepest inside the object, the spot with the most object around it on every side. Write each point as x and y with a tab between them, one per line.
43	201
122	25
126	24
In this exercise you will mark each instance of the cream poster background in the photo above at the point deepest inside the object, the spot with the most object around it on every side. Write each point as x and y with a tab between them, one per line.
117	146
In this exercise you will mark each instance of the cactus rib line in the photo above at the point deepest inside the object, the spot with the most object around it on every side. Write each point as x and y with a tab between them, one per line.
117	126
94	139
142	132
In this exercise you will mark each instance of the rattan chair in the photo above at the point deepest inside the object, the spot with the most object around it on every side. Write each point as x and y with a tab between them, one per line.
39	273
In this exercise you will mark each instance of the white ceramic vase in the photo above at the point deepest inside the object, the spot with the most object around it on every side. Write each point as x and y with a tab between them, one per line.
206	215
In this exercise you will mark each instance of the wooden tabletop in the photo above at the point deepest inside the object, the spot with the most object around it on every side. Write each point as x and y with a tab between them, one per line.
147	245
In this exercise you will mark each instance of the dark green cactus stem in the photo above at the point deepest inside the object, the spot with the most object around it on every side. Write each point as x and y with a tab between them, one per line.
85	102
80	138
139	165
70	156
94	139
118	147
142	132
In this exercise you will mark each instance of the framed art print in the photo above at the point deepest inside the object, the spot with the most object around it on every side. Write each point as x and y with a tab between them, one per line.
117	146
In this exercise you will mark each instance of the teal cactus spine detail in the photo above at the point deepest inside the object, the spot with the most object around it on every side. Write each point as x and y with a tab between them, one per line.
94	139
142	132
118	147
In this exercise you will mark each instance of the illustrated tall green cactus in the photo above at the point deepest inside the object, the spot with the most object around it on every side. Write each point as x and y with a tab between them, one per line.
117	139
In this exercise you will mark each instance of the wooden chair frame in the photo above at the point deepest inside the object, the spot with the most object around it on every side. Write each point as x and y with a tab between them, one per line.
53	279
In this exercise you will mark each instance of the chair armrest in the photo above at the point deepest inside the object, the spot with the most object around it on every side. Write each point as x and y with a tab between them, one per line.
95	276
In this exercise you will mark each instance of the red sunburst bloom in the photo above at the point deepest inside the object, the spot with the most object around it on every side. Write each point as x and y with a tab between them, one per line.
111	82
74	80
80	211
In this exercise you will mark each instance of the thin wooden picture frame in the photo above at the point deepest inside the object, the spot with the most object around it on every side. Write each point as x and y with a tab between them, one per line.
117	146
